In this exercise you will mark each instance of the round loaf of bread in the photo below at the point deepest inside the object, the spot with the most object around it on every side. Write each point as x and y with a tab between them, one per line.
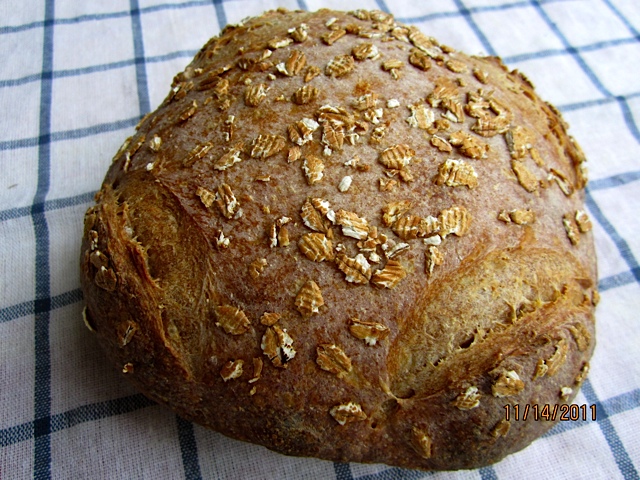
338	238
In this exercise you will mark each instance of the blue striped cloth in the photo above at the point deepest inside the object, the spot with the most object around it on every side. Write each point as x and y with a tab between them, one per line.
75	77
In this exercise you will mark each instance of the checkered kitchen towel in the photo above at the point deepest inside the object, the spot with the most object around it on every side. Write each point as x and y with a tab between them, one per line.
76	76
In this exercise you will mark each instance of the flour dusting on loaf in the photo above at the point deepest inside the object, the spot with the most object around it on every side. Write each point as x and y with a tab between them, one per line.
338	238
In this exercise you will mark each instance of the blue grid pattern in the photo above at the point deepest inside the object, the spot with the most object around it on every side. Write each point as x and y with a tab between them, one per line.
43	419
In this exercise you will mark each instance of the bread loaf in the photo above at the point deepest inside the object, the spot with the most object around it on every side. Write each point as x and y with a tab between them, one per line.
338	238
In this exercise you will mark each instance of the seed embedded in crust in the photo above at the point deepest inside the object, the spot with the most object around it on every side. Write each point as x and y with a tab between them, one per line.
299	34
456	66
155	143
565	393
333	136
230	158
345	183
518	141
582	375
468	145
408	227
519	217
127	368
313	214
257	369
206	197
441	144
277	42
311	72
420	60
127	333
99	259
365	102
481	75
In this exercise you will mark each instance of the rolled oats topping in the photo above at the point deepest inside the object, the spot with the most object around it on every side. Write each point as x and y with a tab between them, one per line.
316	247
230	158
313	168
340	66
507	384
277	345
397	157
226	202
469	399
231	370
232	319
389	277
255	94
309	299
421	442
525	177
347	413
357	270
391	212
433	258
332	359
370	332
363	51
265	146
456	173
352	225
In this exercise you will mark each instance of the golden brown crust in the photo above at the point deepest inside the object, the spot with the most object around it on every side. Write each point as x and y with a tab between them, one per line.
338	238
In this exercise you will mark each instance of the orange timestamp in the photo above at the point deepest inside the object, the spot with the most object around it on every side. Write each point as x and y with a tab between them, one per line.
563	412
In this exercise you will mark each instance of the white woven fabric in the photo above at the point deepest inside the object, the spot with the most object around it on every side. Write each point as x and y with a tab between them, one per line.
76	77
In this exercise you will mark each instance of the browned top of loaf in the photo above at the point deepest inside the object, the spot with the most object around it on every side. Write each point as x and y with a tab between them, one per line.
332	219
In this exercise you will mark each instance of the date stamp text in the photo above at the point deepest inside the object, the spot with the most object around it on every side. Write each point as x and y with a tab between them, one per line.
563	413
